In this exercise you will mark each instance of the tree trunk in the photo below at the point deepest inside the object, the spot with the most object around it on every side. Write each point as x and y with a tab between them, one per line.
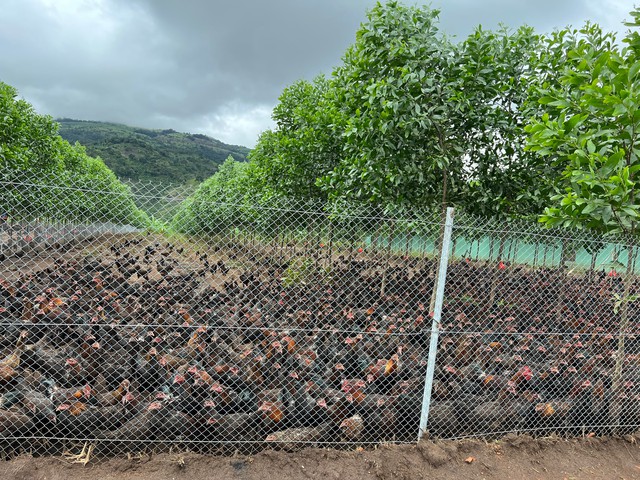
440	239
564	256
592	267
495	272
436	265
564	253
453	247
615	408
407	245
383	285
330	246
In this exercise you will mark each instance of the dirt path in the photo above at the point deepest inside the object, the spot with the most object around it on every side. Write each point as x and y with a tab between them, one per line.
511	458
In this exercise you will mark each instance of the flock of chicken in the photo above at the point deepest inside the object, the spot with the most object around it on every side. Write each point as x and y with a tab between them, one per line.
147	341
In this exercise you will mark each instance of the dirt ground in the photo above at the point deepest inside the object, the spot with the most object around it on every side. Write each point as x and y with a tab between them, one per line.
514	457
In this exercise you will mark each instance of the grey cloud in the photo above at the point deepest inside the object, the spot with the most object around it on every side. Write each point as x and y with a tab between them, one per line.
211	66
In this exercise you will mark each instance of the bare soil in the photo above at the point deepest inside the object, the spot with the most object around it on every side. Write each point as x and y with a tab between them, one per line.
514	457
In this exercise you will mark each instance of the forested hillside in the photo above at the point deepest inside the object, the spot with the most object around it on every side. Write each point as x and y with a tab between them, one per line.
154	155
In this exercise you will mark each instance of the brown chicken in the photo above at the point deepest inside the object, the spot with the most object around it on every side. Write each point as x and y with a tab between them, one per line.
352	428
115	396
10	363
272	413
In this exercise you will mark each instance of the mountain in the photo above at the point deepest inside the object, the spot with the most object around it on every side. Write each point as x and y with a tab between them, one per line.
151	155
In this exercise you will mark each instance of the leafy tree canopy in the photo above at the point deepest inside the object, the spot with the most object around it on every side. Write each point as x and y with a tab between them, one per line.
590	130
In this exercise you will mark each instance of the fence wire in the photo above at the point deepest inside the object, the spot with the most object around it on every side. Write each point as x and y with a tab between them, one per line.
535	344
142	317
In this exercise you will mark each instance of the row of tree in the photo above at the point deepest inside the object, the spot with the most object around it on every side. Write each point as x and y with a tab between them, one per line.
503	124
43	177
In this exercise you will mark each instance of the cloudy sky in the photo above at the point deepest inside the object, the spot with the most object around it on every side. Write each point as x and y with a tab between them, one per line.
213	66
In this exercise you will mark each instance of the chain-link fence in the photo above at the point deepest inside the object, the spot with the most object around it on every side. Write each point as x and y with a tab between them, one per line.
537	343
149	316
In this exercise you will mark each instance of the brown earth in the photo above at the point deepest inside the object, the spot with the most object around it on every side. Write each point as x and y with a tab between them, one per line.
514	457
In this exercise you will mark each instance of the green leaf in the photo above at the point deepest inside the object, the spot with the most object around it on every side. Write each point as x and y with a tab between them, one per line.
573	122
546	100
633	71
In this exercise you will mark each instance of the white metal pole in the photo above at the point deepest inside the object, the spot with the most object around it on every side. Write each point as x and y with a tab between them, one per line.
435	324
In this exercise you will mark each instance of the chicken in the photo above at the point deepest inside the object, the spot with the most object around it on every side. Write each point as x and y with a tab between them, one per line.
351	428
554	415
379	414
74	373
113	397
272	415
234	426
150	371
64	395
9	364
77	420
14	421
83	457
488	417
141	427
183	355
42	410
383	376
47	357
444	419
175	425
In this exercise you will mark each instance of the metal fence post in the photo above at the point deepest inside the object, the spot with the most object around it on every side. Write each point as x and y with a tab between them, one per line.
435	325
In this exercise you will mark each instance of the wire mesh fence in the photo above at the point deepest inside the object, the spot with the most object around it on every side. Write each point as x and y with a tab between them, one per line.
149	316
537	348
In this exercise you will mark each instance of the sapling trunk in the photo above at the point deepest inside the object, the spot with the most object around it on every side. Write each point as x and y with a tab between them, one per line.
383	285
454	245
440	238
592	268
438	252
615	407
495	273
564	256
407	245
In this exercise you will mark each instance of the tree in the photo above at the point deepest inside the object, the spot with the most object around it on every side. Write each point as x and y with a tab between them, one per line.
27	140
591	130
498	70
396	90
306	143
45	177
432	122
218	203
